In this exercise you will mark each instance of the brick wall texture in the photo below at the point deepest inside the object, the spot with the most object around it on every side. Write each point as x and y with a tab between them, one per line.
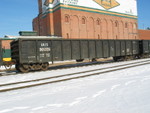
75	24
144	34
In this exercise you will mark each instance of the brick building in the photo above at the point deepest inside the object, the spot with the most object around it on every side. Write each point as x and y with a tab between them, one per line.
90	19
144	34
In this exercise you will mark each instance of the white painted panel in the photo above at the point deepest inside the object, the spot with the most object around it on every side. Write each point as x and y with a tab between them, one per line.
119	6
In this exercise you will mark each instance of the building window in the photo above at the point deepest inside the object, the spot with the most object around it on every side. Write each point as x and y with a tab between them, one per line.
67	36
98	36
83	21
126	25
67	19
98	22
116	24
134	26
116	37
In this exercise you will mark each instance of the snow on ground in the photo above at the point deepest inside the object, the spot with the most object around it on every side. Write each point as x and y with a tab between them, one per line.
125	91
53	72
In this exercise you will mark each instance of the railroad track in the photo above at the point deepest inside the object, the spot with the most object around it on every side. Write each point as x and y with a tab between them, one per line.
66	77
59	66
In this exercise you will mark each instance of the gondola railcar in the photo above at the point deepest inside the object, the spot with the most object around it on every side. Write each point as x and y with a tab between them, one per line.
34	54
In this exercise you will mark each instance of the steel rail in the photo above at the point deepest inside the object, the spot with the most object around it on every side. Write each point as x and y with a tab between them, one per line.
64	75
71	78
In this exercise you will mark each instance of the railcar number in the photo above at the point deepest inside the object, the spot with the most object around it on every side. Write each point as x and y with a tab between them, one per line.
44	49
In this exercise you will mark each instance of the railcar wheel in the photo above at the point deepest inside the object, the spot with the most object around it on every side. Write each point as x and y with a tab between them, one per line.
115	59
94	59
23	68
44	66
119	58
127	58
79	60
35	66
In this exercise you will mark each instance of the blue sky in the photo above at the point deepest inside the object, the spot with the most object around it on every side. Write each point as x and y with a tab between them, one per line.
17	15
143	13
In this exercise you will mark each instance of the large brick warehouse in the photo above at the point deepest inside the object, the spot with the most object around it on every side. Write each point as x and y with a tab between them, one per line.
87	19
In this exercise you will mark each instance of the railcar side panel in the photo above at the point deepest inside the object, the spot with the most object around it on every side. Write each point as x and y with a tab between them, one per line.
84	49
92	49
118	48
112	48
66	48
129	47
123	48
105	48
145	48
57	50
149	45
135	46
76	51
99	49
27	51
43	49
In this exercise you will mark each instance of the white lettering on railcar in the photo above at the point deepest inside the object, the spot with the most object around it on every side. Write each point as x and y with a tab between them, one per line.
42	55
44	49
128	50
44	44
31	57
47	54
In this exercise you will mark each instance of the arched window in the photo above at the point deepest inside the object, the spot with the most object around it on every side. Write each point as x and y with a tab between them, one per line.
98	36
67	36
134	26
116	24
66	18
116	37
98	22
83	21
126	25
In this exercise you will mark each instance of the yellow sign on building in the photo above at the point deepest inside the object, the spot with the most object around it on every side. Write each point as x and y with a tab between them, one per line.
107	4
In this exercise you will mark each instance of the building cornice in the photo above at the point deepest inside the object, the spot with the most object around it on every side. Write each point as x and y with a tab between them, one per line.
87	9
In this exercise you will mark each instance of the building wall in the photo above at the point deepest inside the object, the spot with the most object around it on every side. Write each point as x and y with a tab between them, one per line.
144	34
6	44
73	23
82	24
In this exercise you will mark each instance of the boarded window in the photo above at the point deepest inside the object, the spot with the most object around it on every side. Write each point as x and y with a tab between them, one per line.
126	25
83	21
67	36
98	22
66	19
116	24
